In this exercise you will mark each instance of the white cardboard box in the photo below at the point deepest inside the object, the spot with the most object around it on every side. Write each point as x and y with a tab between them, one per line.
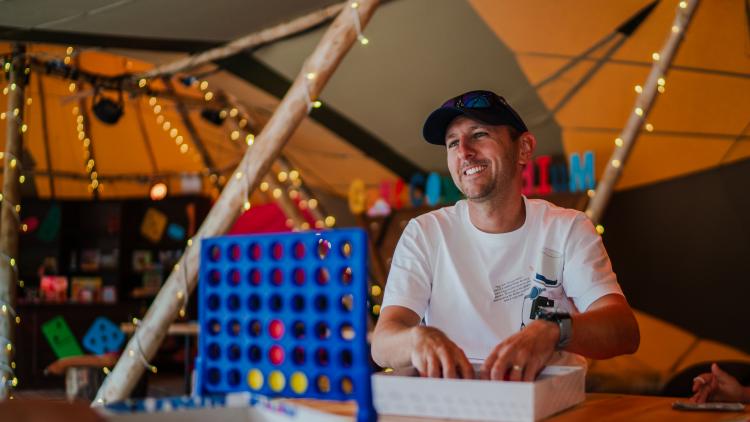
403	393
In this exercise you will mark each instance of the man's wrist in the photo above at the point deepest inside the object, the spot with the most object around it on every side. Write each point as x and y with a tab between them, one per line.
564	324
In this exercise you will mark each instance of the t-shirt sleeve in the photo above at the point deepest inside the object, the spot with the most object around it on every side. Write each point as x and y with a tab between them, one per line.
587	272
409	279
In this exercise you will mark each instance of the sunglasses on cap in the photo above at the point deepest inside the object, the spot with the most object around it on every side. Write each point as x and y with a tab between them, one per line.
485	106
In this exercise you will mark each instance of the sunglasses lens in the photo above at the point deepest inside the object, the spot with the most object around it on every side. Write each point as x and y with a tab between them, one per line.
477	101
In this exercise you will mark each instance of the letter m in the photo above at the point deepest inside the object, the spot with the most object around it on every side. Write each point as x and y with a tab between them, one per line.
581	176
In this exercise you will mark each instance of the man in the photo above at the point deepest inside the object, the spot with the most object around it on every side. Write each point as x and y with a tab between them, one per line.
513	282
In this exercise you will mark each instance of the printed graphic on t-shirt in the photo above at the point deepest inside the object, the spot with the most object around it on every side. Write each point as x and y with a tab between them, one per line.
549	268
509	290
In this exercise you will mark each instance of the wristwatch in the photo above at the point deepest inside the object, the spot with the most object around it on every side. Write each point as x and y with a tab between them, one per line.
565	323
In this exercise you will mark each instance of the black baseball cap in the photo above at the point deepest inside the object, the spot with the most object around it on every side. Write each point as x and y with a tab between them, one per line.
485	106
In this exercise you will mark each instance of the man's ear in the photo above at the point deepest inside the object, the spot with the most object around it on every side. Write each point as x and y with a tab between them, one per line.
526	147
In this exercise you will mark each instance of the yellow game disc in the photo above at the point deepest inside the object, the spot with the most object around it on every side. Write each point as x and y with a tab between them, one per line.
324	384
255	379
277	381
298	381
346	385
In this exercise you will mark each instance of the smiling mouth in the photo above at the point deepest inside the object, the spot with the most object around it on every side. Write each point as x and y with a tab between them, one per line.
469	171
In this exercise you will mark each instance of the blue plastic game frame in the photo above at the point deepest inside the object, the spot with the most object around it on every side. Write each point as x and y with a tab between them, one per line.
293	304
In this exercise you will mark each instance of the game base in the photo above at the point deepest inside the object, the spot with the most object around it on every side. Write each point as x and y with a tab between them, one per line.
404	393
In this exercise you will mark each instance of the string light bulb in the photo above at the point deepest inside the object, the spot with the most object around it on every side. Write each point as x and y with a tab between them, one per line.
158	191
618	142
638	89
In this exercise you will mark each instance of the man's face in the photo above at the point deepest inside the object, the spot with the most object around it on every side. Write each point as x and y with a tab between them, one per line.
483	159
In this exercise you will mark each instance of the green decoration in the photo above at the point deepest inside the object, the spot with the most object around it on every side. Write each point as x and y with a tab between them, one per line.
60	338
50	227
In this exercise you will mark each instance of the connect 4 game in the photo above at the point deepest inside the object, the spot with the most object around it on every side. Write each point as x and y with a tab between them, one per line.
285	315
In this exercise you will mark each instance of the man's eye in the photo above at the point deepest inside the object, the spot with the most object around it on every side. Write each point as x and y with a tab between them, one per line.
479	134
452	144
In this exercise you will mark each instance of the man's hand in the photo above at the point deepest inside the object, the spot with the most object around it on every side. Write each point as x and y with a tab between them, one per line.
523	355
717	385
435	355
399	341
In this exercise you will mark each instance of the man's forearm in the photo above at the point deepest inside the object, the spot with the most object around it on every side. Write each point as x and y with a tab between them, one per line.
605	331
392	344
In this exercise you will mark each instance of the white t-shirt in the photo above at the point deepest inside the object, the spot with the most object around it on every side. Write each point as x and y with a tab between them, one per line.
478	287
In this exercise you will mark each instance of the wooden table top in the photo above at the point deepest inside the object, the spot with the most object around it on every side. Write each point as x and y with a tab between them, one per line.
609	407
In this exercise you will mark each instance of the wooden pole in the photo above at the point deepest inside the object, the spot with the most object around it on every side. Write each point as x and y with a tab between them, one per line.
45	133
10	218
288	206
290	209
317	212
246	42
654	83
313	76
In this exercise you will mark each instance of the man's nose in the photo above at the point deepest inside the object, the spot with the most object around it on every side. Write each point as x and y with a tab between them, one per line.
465	150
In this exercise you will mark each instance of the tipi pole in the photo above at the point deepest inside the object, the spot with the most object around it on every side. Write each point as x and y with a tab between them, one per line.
654	83
10	221
294	107
246	42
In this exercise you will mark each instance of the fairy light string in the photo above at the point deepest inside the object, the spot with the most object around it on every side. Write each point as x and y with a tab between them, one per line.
289	178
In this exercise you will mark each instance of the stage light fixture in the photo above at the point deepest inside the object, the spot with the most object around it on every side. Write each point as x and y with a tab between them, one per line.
106	110
188	81
212	116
